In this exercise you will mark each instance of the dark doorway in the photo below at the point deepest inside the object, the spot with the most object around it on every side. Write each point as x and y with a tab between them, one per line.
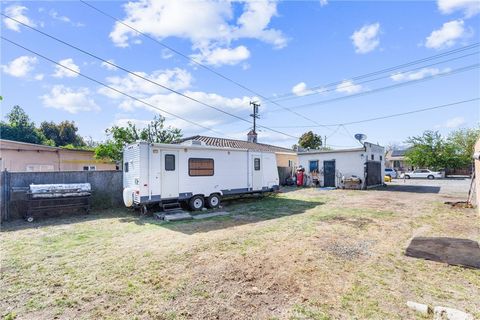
374	173
329	173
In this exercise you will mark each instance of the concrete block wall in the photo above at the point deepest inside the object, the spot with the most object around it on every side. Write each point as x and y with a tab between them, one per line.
107	187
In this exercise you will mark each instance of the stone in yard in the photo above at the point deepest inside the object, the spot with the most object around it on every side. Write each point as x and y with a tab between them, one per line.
444	313
419	307
178	216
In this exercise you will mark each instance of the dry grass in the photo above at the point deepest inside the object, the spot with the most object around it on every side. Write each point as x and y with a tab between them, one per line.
302	254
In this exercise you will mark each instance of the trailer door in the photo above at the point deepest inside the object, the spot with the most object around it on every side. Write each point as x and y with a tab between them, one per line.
256	169
154	174
169	174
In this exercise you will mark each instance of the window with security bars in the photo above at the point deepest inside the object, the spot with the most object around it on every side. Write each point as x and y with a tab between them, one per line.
198	167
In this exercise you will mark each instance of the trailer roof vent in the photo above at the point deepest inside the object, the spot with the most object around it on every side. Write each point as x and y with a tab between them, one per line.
194	143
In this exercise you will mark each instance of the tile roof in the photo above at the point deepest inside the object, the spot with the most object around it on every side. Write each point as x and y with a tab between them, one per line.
399	152
236	144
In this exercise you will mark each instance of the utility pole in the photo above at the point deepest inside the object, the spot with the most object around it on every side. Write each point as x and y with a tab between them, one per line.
325	142
255	115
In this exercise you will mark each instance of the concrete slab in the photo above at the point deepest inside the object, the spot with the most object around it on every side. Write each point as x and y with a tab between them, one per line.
178	216
210	215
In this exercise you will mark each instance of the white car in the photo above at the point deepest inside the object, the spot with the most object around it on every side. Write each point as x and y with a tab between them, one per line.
422	173
391	172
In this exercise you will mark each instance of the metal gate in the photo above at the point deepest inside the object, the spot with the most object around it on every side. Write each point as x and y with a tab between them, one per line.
374	173
329	173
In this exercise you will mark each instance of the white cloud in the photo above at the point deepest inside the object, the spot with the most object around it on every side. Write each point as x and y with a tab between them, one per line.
323	3
177	79
54	14
348	87
300	89
366	39
180	80
70	100
17	12
39	76
167	53
455	122
207	24
222	56
417	75
20	67
61	72
469	7
108	66
446	36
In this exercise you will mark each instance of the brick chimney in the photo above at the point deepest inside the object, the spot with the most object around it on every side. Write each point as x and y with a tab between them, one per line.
252	136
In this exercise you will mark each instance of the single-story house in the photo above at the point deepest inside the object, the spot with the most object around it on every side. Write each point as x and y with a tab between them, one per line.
18	156
285	157
395	159
331	166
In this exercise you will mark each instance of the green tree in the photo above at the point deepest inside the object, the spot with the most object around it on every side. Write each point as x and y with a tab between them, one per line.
118	137
64	133
310	140
431	150
20	128
462	142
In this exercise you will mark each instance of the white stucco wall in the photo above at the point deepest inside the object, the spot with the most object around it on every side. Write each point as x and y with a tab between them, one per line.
347	162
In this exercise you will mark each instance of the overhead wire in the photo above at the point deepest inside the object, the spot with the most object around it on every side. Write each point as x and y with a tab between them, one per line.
389	69
402	84
140	76
110	87
392	115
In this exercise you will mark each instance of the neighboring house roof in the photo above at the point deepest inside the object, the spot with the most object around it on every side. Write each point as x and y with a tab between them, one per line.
332	151
237	144
18	145
399	152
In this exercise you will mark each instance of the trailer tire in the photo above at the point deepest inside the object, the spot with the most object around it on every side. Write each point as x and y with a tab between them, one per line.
196	203
144	210
213	201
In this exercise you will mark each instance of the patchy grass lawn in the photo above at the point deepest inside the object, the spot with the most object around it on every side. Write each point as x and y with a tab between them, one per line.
303	254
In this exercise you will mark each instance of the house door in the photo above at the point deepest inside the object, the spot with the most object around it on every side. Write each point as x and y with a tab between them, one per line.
256	163
329	173
170	174
155	174
374	173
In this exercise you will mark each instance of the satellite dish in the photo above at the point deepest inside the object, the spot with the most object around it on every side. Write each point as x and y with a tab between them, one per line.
360	137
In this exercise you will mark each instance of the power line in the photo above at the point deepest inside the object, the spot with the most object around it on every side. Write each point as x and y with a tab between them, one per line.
109	87
140	76
391	115
406	83
389	69
353	84
198	63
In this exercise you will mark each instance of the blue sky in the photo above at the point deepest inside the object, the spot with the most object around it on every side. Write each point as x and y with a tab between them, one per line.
273	48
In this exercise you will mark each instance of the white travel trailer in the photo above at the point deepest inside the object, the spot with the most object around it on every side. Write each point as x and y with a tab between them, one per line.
193	173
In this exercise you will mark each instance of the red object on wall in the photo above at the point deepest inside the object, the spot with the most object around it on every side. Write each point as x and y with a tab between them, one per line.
299	178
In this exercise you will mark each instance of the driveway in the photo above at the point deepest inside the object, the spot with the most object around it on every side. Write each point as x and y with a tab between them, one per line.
447	186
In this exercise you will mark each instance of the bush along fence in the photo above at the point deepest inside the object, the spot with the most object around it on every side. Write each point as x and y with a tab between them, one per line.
107	188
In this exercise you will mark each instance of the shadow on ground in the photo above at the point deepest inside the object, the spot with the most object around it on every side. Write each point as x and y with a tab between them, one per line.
70	217
409	188
241	212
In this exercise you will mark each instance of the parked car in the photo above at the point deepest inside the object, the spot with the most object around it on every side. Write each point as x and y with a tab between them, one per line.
391	173
423	173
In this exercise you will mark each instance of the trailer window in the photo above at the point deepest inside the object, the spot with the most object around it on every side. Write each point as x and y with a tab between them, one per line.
125	167
198	167
256	164
169	162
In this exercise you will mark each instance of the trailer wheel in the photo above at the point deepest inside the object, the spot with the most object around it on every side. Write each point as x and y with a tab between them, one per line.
213	201
196	203
144	210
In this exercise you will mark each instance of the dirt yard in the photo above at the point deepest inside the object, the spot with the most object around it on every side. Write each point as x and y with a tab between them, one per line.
300	254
